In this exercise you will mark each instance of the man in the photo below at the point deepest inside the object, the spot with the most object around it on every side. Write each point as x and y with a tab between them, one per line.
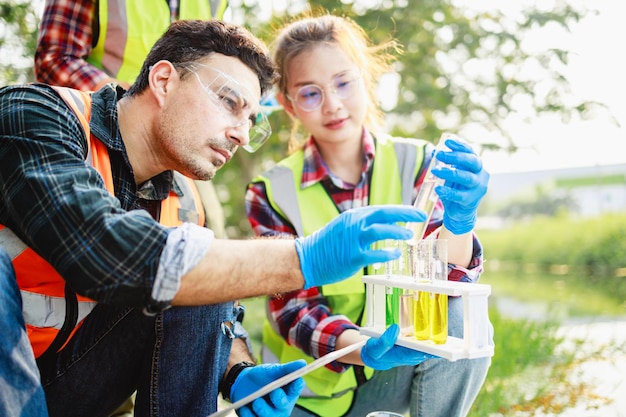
83	181
86	44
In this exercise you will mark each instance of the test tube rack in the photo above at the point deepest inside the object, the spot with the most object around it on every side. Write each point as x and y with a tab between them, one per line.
476	341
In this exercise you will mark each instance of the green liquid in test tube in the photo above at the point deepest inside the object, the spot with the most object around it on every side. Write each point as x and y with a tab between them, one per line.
392	303
393	294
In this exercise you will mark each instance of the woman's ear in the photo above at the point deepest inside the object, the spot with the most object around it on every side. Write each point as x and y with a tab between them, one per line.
286	103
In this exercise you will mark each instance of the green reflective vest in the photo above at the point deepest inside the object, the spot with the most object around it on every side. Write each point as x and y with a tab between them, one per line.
127	30
396	167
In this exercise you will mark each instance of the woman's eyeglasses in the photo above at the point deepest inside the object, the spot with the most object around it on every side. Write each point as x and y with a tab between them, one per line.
311	96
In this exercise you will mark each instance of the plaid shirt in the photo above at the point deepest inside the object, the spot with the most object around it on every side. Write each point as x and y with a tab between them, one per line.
103	245
65	41
304	317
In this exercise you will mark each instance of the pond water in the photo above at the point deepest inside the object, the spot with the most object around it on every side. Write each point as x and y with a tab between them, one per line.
564	298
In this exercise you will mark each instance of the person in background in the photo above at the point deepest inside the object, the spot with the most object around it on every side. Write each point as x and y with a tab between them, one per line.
86	44
328	70
114	297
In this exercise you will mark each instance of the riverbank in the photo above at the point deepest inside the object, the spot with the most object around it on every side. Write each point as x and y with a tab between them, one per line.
601	368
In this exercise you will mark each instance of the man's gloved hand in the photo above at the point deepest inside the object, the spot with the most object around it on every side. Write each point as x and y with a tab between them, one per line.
343	247
382	353
277	403
465	186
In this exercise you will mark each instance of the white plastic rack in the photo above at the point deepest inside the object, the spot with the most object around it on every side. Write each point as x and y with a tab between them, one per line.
476	341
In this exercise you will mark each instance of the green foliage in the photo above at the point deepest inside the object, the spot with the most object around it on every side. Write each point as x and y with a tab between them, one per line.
599	180
19	24
545	202
583	252
590	245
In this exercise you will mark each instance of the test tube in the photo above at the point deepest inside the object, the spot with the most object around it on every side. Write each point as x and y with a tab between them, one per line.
426	196
438	303
405	273
395	269
421	304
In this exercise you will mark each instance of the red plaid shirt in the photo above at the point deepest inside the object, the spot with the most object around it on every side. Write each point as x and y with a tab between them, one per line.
65	39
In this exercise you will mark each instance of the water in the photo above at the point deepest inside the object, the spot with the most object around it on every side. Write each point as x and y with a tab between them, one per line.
422	320
406	313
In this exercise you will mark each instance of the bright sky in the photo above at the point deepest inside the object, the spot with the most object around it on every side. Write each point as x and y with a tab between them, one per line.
597	72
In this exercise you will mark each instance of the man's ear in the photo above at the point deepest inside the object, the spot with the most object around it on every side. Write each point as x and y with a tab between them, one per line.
286	103
162	78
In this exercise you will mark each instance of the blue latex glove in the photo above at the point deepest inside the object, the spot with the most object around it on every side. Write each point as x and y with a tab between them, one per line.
382	353
343	246
277	403
465	186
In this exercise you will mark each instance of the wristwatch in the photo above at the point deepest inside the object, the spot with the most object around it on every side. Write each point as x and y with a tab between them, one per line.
231	377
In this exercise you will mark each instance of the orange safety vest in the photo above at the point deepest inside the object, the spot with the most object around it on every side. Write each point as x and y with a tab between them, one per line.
45	296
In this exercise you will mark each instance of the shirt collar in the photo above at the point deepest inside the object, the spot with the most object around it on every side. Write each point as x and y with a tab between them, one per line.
104	125
316	170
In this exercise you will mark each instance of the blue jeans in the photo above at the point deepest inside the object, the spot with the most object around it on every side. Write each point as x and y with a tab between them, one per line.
434	388
174	361
21	394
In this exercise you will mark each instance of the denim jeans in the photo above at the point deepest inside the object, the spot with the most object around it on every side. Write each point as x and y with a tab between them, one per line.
21	394
434	388
174	361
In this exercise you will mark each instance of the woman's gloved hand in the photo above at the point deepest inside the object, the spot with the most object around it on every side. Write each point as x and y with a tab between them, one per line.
465	185
343	247
277	403
382	353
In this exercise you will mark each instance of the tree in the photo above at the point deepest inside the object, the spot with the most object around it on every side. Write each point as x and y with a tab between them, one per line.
19	25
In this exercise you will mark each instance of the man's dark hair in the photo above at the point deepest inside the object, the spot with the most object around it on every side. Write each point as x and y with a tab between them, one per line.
188	41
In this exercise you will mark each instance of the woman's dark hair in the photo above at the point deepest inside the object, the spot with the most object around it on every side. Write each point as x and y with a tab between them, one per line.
188	41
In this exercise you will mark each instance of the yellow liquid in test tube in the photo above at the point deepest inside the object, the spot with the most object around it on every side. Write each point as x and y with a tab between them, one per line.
438	313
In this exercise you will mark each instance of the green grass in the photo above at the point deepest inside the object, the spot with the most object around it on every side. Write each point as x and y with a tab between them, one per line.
523	351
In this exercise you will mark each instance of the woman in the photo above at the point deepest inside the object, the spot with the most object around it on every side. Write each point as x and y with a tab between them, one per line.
328	71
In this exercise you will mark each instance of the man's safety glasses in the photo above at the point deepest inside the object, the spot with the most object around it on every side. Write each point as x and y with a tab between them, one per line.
233	100
311	96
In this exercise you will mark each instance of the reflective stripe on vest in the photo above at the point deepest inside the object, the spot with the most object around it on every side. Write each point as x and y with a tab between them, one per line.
41	310
129	29
41	287
11	244
396	167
